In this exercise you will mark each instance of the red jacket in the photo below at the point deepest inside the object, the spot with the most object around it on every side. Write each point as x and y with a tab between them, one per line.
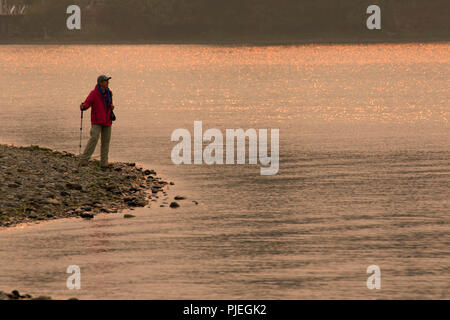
99	113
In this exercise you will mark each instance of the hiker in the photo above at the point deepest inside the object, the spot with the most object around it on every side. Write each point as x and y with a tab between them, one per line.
102	116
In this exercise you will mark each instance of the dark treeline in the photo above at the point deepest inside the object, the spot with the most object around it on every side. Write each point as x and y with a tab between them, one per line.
236	20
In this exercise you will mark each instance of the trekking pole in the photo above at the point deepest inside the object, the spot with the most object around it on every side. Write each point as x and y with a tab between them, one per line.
81	133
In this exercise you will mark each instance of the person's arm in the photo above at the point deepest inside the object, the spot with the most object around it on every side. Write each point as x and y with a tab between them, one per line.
112	104
88	102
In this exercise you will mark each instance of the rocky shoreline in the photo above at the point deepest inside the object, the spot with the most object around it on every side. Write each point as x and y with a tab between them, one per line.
15	295
41	184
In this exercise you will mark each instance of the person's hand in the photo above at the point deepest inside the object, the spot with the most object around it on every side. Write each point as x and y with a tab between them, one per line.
82	106
112	107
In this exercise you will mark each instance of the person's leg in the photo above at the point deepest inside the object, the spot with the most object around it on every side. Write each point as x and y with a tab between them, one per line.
92	143
106	138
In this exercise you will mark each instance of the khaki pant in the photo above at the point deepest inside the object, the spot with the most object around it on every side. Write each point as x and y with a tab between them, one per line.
96	130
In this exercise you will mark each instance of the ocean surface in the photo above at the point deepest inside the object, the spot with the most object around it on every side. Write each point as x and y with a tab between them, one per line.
364	174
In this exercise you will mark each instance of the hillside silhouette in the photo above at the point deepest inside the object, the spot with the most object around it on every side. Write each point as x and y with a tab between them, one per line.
232	20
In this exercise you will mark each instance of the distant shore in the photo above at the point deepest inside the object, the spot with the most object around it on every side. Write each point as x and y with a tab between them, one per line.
42	184
232	42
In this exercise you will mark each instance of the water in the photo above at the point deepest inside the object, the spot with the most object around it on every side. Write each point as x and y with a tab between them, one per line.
364	171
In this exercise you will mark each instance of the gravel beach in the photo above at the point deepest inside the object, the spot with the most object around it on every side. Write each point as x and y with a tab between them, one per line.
16	295
41	184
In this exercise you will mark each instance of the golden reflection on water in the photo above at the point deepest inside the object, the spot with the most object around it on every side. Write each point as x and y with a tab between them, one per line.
162	56
379	82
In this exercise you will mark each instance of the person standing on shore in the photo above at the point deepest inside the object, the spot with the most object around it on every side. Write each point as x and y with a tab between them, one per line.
102	116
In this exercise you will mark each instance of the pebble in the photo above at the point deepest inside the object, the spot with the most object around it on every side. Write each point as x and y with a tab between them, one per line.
52	201
174	205
74	186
